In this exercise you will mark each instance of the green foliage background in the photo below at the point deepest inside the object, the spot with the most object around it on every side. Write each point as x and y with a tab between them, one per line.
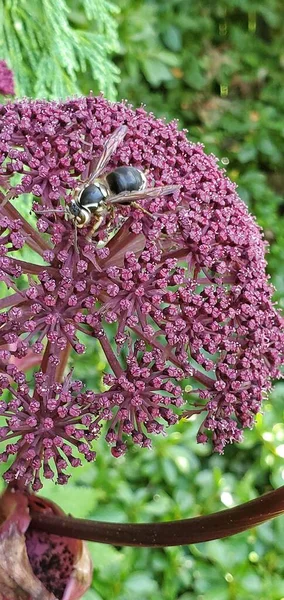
218	67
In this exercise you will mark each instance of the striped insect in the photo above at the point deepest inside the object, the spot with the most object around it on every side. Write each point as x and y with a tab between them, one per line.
100	192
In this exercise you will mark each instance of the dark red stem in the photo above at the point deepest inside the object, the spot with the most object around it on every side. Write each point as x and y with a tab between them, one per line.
60	371
172	533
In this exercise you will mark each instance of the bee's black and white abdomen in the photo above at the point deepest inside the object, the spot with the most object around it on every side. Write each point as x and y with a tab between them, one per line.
125	179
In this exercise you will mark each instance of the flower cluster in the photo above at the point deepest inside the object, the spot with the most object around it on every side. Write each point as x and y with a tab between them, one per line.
57	419
177	278
47	423
6	80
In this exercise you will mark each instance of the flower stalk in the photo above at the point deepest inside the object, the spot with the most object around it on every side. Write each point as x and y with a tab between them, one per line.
172	533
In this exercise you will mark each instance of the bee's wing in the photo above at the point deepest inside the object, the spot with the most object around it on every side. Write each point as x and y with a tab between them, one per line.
109	148
128	197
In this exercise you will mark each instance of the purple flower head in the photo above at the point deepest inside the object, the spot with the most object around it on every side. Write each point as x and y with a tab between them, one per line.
171	282
6	80
44	428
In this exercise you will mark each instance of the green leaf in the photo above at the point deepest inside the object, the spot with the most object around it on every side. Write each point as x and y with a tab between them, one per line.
193	74
172	38
141	585
92	595
78	500
156	71
105	558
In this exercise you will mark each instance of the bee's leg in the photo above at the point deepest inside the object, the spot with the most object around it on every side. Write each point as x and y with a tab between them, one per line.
141	208
76	238
67	216
94	228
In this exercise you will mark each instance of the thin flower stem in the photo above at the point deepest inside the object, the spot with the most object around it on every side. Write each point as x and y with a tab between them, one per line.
46	357
121	242
60	371
34	240
12	300
110	356
201	377
172	533
34	269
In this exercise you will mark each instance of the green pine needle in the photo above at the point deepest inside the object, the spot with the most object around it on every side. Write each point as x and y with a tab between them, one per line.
50	43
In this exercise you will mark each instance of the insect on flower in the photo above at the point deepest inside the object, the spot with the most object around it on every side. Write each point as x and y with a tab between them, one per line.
123	185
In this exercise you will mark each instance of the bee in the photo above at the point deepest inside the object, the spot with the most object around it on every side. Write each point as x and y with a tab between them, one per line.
123	185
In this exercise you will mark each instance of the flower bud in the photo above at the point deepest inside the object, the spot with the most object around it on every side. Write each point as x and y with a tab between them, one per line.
36	565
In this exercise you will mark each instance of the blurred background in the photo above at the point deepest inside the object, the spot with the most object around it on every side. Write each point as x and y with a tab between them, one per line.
218	67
